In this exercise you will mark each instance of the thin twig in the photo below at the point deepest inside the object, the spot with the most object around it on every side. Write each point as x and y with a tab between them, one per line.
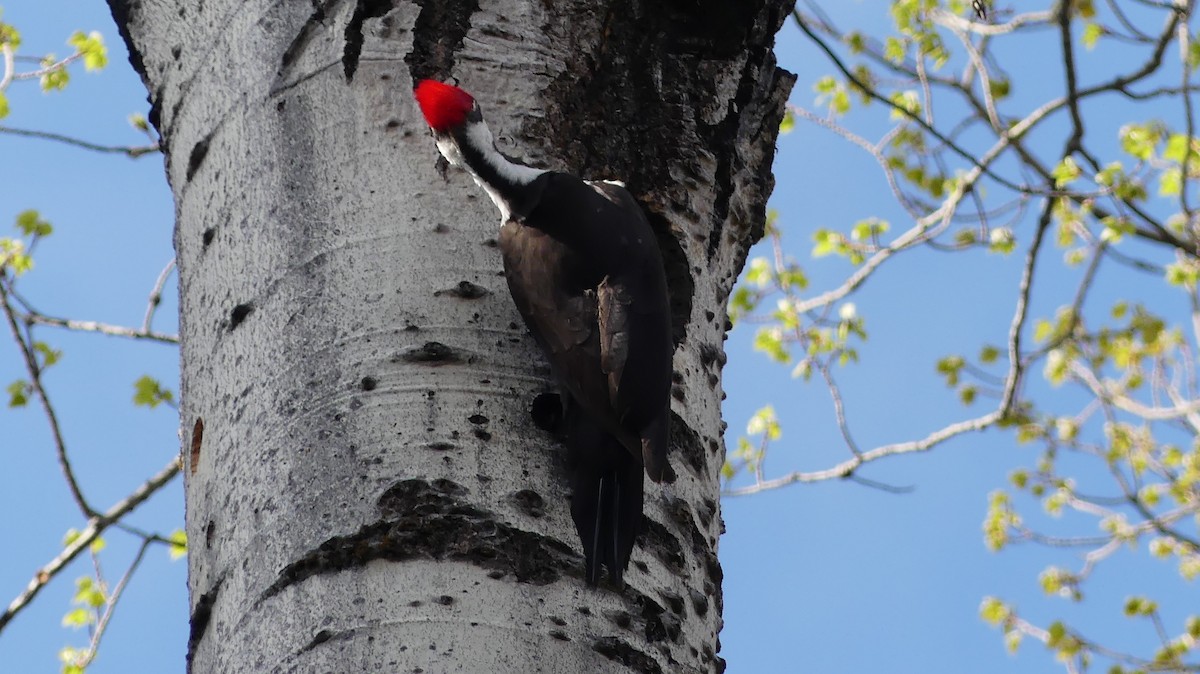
35	381
110	608
131	151
847	468
102	328
156	296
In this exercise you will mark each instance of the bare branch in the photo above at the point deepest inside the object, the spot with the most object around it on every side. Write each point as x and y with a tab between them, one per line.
156	296
131	151
847	468
102	328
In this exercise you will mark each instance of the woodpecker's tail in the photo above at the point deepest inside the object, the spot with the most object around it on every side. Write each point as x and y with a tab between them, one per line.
607	500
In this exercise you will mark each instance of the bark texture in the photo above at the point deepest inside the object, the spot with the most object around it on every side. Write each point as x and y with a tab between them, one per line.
366	488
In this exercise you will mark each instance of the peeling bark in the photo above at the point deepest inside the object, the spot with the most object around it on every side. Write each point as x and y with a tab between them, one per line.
377	489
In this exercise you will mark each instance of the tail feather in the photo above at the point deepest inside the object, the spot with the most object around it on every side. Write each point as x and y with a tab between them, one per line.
607	501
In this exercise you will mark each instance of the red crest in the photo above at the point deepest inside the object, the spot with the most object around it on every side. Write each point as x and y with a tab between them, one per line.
445	106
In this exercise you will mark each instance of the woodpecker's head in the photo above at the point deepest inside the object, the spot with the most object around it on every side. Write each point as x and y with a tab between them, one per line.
454	118
447	108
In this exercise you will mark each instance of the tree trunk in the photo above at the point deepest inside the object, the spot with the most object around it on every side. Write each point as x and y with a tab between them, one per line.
366	487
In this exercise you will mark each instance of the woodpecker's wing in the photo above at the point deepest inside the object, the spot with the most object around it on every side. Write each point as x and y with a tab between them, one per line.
612	317
585	272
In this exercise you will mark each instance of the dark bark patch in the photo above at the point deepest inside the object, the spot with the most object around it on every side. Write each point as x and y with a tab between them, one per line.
363	10
674	602
201	615
123	12
656	623
621	651
239	314
207	237
196	158
724	135
429	353
477	419
661	543
710	354
686	444
708	510
300	42
440	446
560	635
530	502
327	635
369	383
481	434
681	287
444	600
465	290
209	532
438	34
197	441
431	521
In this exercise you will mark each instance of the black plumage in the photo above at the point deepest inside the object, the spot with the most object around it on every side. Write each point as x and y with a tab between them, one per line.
585	272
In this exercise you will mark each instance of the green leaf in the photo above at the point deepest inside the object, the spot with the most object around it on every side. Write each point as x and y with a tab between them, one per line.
869	229
31	223
138	121
894	50
758	272
49	356
3	105
1183	273
788	123
993	611
1177	145
1002	241
87	593
55	80
179	545
148	392
1092	33
97	545
1134	606
95	54
18	393
1140	140
770	342
906	101
12	254
78	617
9	35
950	367
765	422
989	354
1066	172
70	537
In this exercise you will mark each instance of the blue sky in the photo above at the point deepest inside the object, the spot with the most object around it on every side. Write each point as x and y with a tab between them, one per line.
831	577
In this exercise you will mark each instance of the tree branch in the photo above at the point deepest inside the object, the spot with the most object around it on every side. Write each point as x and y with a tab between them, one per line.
131	151
95	526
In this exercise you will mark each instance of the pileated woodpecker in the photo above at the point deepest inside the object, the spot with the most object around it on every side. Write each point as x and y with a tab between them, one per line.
585	271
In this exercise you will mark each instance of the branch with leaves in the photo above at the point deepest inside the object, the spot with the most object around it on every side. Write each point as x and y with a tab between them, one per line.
96	599
970	180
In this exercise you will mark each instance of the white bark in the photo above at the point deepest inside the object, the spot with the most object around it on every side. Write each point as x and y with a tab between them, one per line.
365	488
